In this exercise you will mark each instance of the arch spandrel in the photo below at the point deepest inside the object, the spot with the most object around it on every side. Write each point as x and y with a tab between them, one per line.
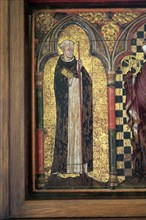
98	47
123	45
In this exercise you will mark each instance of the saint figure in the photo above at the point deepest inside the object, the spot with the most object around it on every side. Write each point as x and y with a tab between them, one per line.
73	150
136	111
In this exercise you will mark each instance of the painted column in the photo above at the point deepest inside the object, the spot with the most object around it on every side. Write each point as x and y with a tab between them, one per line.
113	181
39	134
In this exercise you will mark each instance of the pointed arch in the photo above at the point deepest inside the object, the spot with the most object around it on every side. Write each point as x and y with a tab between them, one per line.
52	36
126	37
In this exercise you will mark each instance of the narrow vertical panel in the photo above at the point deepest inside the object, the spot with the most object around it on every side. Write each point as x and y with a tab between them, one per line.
17	155
4	109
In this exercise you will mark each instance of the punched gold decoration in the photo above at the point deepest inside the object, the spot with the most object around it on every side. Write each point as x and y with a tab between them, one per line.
44	22
109	29
124	18
49	113
110	25
110	32
103	17
100	116
95	17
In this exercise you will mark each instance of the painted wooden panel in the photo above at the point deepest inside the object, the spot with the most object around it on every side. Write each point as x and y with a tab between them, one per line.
19	206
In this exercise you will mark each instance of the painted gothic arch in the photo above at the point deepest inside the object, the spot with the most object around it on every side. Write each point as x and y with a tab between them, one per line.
93	35
121	50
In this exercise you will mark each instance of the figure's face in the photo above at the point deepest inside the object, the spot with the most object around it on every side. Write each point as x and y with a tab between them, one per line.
68	50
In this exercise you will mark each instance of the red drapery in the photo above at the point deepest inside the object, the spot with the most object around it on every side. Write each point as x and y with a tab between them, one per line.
136	112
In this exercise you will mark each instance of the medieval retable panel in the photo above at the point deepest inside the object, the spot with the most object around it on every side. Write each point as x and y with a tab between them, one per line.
88	98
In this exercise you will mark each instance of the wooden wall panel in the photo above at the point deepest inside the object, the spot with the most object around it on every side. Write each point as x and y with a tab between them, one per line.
83	208
17	168
4	108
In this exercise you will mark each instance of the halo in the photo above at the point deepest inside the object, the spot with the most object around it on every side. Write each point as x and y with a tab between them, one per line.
130	63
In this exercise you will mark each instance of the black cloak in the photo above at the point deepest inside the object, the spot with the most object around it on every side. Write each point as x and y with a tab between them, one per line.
61	88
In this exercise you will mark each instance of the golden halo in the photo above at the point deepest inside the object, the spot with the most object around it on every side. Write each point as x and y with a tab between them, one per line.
130	63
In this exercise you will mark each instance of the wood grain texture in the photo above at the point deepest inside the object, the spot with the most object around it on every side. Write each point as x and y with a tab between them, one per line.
83	208
88	218
96	218
4	108
17	167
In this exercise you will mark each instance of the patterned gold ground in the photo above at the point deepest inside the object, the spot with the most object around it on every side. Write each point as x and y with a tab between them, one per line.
100	118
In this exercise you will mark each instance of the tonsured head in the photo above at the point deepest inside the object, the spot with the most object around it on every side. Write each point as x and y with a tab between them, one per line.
67	47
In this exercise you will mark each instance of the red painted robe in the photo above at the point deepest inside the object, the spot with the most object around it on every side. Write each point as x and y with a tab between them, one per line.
136	112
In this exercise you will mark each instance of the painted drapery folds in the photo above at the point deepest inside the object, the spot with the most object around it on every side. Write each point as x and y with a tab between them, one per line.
136	111
91	89
62	98
83	144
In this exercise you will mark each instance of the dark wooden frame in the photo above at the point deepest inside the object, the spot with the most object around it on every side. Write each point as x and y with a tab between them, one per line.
13	202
